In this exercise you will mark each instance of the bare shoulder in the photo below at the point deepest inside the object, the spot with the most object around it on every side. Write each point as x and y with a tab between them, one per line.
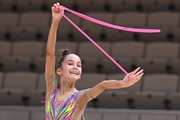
85	96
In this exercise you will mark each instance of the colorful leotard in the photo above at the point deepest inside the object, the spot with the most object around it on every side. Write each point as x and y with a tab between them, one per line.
63	110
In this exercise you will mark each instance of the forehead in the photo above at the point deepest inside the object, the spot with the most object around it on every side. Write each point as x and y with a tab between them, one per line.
72	57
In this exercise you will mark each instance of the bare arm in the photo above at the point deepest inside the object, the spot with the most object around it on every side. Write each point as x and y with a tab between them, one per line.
50	50
112	84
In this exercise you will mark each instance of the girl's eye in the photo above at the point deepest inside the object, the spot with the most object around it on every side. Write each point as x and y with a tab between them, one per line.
78	65
69	63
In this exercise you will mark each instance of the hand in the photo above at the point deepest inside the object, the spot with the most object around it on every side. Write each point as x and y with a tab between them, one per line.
57	11
132	77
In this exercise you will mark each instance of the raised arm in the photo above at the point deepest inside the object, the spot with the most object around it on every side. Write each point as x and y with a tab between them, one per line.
129	80
50	48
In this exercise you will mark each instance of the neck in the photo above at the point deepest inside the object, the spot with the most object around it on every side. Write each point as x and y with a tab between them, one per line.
66	87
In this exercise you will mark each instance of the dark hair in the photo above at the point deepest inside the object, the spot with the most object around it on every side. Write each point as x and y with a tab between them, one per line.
64	53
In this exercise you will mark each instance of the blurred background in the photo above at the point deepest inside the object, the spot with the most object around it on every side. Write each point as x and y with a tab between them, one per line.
24	27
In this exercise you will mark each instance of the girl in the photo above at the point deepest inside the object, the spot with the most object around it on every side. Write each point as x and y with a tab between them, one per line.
64	101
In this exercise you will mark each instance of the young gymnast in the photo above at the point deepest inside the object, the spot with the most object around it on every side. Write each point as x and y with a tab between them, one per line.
64	101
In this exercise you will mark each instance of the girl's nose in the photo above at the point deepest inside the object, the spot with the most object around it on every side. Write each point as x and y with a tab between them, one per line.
75	67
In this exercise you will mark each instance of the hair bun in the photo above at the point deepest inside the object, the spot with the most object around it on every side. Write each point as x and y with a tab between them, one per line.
65	52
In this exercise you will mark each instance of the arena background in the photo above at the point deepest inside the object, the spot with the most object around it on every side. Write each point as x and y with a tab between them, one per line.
24	26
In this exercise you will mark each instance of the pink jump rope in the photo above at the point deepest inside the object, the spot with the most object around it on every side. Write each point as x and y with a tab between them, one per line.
107	25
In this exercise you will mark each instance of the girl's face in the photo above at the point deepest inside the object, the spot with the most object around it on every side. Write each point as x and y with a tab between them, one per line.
71	68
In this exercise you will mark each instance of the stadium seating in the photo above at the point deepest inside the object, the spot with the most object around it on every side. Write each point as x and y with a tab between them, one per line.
24	28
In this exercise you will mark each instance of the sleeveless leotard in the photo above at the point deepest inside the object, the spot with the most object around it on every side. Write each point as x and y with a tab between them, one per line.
62	110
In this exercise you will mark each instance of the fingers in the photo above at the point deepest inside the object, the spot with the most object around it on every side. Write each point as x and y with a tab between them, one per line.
57	8
137	69
139	76
139	72
56	5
